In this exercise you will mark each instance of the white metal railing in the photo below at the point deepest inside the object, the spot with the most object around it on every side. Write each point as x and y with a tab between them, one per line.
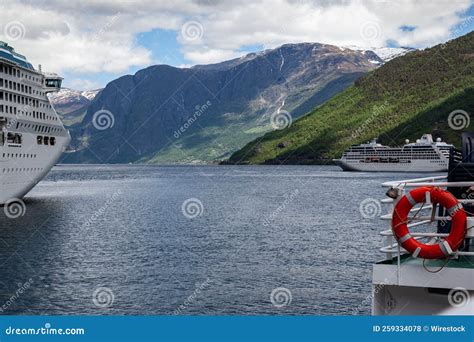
402	186
413	180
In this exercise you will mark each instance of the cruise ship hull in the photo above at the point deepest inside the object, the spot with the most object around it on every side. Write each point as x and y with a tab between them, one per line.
414	166
19	175
32	136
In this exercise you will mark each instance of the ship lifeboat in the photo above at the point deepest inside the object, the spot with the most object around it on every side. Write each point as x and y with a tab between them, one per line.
444	247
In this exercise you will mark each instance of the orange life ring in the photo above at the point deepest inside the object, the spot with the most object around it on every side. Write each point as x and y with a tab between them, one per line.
445	247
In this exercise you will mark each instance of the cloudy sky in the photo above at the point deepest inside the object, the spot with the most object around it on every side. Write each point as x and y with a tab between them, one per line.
93	42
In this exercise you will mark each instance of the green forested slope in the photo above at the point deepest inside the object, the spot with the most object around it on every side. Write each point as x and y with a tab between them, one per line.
406	97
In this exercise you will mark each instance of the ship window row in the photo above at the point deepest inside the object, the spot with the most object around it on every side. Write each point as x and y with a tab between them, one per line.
24	100
375	153
9	70
395	155
19	155
8	109
405	149
6	69
418	147
390	153
400	154
15	86
5	122
34	114
21	169
41	140
381	148
39	128
405	157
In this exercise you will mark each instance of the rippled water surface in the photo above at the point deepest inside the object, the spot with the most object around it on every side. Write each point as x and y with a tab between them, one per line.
118	240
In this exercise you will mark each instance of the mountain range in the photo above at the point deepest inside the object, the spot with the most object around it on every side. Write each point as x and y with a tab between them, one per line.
203	114
72	104
425	91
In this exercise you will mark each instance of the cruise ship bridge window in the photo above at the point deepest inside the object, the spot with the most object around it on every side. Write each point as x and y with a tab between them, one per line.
53	83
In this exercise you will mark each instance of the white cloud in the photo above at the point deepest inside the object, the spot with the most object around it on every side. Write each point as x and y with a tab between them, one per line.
100	36
361	23
78	37
208	56
83	84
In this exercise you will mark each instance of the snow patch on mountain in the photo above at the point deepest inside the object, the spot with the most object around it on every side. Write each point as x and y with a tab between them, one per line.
66	95
69	100
385	53
91	94
388	54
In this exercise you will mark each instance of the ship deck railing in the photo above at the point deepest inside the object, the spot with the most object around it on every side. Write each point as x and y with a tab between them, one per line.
392	250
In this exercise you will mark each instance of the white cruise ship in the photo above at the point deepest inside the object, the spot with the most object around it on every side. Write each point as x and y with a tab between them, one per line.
424	155
32	137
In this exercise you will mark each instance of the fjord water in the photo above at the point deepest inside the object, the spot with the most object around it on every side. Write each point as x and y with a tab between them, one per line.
124	228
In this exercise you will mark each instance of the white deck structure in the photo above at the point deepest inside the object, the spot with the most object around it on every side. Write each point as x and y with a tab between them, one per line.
403	285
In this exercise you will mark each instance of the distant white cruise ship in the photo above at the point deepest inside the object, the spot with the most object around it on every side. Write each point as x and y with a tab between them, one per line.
32	137
424	155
